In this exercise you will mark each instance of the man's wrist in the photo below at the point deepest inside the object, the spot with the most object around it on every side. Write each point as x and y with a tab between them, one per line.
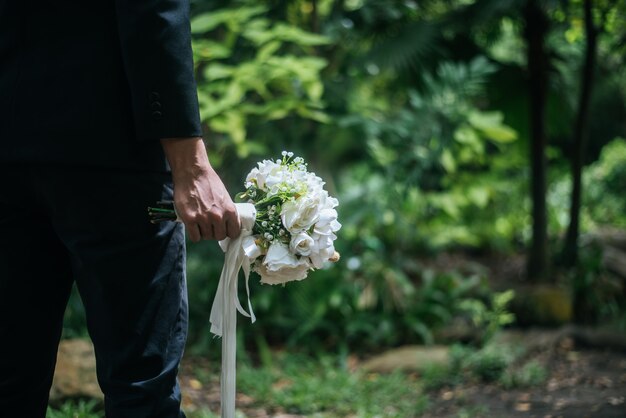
186	156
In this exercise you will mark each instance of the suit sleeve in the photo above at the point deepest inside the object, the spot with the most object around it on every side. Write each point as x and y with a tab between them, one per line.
155	41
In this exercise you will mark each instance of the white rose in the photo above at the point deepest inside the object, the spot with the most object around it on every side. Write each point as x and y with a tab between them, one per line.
262	172
314	183
282	276
331	202
278	256
276	176
281	266
301	244
327	222
300	214
323	249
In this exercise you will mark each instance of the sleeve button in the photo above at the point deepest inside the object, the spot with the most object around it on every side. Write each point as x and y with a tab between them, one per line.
154	96
156	115
155	105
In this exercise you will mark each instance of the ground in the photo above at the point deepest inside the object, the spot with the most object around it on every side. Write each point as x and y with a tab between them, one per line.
573	378
579	383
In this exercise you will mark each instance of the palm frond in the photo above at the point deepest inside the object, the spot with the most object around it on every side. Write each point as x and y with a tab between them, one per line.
410	44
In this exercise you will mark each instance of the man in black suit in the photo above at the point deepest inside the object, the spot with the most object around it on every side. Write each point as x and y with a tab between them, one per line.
99	119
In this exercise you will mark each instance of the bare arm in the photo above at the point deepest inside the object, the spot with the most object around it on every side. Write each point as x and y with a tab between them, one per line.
201	199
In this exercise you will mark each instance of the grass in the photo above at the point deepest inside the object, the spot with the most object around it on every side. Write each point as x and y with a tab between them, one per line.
77	409
495	364
326	388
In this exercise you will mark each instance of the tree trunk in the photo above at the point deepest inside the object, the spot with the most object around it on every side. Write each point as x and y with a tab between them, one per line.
536	30
570	249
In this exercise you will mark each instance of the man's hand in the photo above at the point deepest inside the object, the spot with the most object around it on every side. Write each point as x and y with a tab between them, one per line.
201	199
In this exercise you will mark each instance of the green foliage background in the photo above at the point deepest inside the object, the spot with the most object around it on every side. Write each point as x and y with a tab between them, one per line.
416	115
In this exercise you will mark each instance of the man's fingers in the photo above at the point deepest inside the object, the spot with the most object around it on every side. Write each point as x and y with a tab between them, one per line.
233	226
206	230
193	231
219	229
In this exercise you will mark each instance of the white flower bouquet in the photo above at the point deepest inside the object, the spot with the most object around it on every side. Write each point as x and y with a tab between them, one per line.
296	220
288	228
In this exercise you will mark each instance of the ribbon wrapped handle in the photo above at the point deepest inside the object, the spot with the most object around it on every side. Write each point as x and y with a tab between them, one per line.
240	252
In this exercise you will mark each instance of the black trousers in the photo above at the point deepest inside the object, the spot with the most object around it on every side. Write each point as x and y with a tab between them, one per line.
64	224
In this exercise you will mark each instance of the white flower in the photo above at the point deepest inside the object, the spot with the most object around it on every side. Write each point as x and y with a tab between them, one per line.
301	244
276	180
300	214
327	223
281	266
261	173
282	276
323	249
315	184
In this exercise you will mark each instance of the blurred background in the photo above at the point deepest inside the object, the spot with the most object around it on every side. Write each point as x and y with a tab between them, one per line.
478	152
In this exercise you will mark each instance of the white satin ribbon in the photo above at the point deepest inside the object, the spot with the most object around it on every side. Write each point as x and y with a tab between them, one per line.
240	253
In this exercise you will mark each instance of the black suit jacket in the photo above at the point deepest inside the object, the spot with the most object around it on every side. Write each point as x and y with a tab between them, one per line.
95	82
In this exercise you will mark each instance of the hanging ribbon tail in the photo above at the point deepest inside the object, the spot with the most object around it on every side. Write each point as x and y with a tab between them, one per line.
240	253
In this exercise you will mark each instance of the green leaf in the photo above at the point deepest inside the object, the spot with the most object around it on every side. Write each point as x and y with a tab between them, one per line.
299	36
314	89
449	205
467	135
233	18
217	71
232	123
206	21
447	161
314	114
268	50
206	50
479	196
490	124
